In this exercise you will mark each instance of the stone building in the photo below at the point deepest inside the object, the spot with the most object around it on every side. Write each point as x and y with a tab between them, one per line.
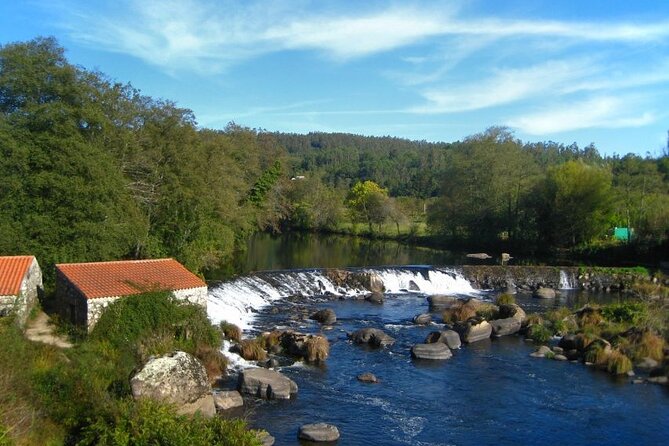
20	285
84	290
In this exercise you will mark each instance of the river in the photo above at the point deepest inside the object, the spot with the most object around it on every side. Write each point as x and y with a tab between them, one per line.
489	392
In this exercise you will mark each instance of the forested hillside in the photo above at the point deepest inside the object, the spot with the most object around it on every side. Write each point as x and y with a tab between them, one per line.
93	170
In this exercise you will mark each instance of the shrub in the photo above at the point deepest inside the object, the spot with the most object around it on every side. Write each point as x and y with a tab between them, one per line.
533	319
252	350
625	312
318	348
539	333
597	354
506	299
150	423
589	317
649	345
487	311
617	363
272	338
230	331
461	313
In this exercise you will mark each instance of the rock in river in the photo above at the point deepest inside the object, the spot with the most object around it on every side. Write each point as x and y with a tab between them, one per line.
227	399
266	383
505	327
319	432
448	337
544	293
422	319
326	317
437	350
473	330
371	336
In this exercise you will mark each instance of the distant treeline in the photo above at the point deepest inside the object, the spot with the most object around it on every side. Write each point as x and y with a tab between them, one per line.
91	169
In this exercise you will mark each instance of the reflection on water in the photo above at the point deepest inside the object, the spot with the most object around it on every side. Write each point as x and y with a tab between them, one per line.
309	250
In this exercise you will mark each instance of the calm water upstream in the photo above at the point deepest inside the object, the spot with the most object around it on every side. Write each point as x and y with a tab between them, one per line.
490	392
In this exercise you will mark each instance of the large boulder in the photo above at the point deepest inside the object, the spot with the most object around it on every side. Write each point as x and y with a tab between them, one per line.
568	342
505	327
371	336
437	350
368	280
177	378
448	337
544	293
473	330
319	432
268	384
326	316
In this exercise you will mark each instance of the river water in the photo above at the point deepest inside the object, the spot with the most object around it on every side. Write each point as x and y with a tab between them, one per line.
490	392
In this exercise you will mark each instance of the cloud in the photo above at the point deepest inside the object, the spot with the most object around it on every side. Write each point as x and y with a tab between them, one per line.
505	86
208	36
603	112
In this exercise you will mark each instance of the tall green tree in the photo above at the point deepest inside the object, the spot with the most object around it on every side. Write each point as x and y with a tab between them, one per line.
575	204
369	202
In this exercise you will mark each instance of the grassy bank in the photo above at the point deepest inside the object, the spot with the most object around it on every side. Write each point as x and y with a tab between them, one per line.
81	396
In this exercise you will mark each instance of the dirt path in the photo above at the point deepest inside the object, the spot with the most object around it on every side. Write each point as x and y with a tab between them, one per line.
40	330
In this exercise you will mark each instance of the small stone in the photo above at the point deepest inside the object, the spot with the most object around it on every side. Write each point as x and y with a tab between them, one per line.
647	364
560	357
638	381
541	352
368	377
658	379
265	438
544	293
319	432
325	317
375	298
371	336
422	319
558	350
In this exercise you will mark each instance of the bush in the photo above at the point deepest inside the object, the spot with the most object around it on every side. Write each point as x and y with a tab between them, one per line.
625	312
617	363
230	331
252	350
487	311
150	423
318	349
461	313
506	299
649	345
539	333
533	319
597	354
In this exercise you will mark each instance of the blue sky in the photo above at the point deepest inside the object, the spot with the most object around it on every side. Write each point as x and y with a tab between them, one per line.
567	71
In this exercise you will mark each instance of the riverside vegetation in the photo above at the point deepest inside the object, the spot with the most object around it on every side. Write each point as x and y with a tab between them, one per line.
82	395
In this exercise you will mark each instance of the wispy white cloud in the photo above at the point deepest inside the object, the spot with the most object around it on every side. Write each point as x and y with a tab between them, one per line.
603	112
208	35
505	86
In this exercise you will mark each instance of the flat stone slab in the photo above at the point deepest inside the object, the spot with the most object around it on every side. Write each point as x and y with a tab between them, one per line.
228	399
319	432
473	331
265	383
437	350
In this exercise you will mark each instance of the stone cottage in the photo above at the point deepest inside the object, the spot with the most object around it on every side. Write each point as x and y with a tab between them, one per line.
83	290
20	285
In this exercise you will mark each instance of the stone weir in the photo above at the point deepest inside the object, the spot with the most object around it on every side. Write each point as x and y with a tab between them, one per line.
497	277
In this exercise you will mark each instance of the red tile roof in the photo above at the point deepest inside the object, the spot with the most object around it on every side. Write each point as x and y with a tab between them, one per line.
12	271
124	278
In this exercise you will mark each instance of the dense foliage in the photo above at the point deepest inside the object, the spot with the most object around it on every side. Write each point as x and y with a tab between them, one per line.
93	170
82	395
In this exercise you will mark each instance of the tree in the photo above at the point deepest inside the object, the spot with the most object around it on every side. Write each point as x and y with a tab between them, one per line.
575	204
482	193
369	202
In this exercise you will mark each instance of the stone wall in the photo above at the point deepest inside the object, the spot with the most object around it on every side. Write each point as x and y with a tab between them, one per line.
95	309
7	304
196	296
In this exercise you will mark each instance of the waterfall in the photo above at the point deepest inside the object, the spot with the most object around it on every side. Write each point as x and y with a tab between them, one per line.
236	301
567	281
